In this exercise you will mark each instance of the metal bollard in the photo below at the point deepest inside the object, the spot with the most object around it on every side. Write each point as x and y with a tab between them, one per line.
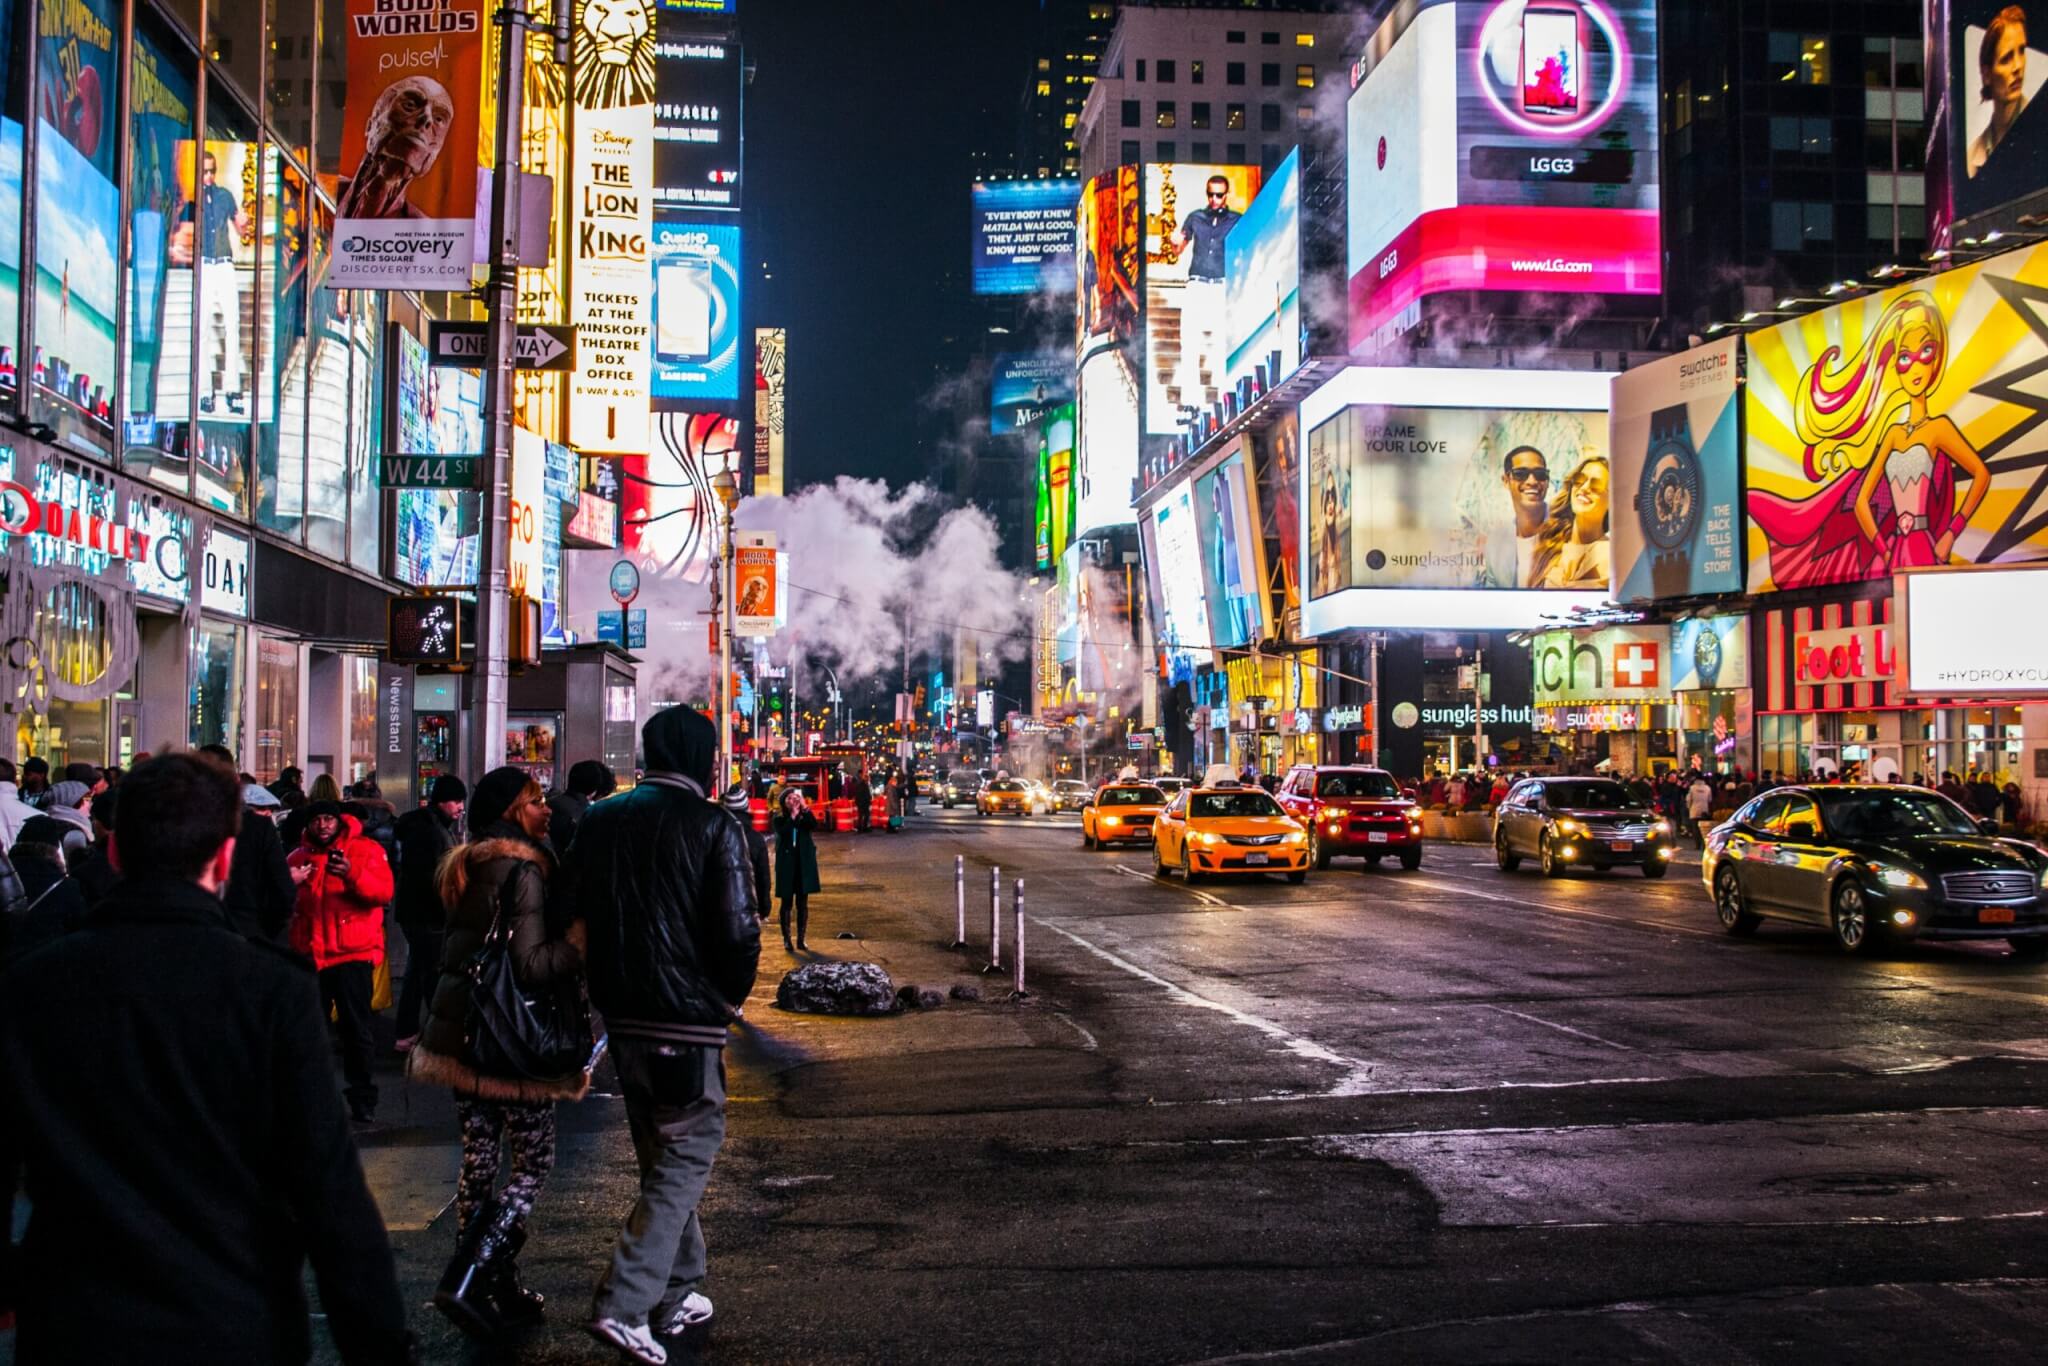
959	901
995	916
1017	934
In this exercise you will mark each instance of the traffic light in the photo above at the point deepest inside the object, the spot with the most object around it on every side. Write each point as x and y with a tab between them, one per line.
523	645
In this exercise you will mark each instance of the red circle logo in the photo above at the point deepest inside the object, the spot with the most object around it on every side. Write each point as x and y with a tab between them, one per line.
1383	154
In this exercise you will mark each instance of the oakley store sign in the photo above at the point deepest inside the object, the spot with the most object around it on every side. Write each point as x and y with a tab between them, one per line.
78	517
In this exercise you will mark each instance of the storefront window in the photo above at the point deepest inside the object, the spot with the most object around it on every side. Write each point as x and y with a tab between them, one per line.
332	419
12	22
277	707
1785	744
283	400
78	221
365	428
1968	742
362	717
162	126
217	685
229	201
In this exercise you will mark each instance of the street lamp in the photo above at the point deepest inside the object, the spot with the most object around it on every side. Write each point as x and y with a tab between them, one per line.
727	490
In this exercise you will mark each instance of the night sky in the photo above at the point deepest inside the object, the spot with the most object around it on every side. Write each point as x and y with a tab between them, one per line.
860	123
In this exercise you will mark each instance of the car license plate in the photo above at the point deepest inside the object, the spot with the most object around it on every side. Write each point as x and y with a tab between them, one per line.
1376	837
1621	846
1995	915
1257	860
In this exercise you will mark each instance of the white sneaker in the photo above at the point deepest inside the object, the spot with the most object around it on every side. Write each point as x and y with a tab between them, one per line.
634	1340
693	1311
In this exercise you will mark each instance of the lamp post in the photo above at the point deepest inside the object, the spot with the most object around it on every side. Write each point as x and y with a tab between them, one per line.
727	490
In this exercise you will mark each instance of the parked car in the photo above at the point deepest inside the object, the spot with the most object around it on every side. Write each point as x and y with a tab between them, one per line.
1122	813
1070	794
1567	823
1876	865
1228	830
962	785
1351	810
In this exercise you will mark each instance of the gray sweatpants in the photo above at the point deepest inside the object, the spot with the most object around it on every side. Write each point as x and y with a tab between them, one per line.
675	1103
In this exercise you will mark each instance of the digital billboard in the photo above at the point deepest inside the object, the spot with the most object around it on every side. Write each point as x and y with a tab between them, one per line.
699	82
1262	272
1454	499
1675	428
1108	455
1056	485
440	411
771	409
1107	250
1900	430
1191	212
697	350
1023	388
1504	146
1279	488
1997	130
1024	236
1173	546
1227	527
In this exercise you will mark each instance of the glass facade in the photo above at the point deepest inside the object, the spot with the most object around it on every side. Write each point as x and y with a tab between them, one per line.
156	419
217	665
362	717
277	708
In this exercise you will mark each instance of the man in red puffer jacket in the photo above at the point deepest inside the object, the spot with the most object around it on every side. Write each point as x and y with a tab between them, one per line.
344	881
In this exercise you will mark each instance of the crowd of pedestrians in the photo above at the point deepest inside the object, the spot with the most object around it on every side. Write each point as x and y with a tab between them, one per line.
184	951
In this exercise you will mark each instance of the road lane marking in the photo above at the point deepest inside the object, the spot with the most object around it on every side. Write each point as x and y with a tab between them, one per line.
1357	1074
1157	881
1562	1029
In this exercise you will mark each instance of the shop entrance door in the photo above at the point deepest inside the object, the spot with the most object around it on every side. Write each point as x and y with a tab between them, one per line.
1863	762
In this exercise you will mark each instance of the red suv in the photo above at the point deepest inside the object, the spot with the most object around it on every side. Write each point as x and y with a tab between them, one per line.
1353	811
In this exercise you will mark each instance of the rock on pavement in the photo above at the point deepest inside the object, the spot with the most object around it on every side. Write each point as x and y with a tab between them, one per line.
838	989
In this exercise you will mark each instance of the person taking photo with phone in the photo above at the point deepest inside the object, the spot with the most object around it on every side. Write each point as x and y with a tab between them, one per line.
344	881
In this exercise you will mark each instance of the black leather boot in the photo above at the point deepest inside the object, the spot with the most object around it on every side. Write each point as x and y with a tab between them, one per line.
517	1306
464	1293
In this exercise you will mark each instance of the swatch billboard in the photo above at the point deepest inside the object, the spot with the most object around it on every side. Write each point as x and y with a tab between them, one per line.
1502	147
1675	428
1900	431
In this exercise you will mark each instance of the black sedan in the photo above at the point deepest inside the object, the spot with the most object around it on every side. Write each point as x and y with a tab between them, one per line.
1567	823
1876	866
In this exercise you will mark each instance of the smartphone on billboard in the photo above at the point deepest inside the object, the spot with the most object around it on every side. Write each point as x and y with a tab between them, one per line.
682	310
1552	59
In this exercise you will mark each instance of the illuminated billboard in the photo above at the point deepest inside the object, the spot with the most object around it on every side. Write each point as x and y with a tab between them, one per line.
1023	388
1227	528
696	312
1899	431
1173	556
1507	146
1056	477
771	409
1191	212
439	411
699	82
1262	271
1109	442
1997	136
1107	248
1454	499
1024	236
1677	447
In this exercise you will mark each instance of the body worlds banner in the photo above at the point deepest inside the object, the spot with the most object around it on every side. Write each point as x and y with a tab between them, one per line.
612	209
410	145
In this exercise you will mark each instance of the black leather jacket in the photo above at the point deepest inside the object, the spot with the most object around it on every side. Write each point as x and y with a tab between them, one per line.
663	881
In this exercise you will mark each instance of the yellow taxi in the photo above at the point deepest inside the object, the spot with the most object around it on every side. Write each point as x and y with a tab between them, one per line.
1228	830
1121	813
1006	795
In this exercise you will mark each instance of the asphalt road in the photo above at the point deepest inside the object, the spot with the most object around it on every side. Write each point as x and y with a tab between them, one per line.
1443	1116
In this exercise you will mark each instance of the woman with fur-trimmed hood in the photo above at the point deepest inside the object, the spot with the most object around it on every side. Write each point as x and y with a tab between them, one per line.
508	1123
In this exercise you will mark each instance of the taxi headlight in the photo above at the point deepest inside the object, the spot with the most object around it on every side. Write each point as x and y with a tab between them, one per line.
1570	827
1898	877
1297	837
2044	877
1112	820
1205	838
1661	828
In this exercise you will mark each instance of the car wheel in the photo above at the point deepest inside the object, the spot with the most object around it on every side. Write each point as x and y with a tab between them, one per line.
1159	868
1731	906
1317	853
1087	840
2033	950
1411	859
1504	858
1656	867
1855	932
1546	856
1187	865
1298	877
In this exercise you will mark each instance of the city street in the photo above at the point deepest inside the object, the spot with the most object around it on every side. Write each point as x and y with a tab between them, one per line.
1442	1116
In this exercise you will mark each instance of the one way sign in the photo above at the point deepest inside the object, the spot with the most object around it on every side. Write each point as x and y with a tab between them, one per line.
541	346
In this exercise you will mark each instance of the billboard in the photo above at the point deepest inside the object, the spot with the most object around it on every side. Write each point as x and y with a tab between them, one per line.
696	312
1454	498
1023	388
756	611
1280	500
611	216
1024	235
1227	527
1958	638
77	221
1899	431
1262	272
439	411
1108	455
1675	428
1191	212
1502	147
1173	558
1055	525
1997	137
1107	248
771	409
666	506
411	142
699	82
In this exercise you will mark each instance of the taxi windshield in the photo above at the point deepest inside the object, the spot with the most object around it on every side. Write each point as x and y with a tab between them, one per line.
1234	804
1007	785
1131	796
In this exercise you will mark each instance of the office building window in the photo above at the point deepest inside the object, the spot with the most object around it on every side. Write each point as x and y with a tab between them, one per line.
1269	118
1305	76
1166	117
1129	154
1167	152
1796	225
1802	58
1892	63
1233	117
1141	68
1198	114
1304	40
1166	71
1195	72
1044	89
1235	35
1269	73
1910	147
1270	39
1133	114
1304	115
1233	73
1198	151
1270	157
1809	137
1233	153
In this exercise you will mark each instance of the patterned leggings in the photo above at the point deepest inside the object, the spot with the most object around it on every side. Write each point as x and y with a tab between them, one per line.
497	1135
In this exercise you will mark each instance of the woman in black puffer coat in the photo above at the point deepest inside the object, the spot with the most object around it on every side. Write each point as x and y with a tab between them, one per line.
508	1123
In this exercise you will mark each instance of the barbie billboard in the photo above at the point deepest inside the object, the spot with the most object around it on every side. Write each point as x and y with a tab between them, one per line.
1899	431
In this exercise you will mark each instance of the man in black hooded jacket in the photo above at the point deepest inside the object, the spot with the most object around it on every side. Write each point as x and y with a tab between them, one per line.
663	881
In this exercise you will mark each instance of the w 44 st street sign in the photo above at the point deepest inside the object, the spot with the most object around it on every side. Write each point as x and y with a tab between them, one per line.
430	471
540	346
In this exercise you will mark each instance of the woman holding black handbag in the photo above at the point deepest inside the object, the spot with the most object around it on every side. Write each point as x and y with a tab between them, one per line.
508	1034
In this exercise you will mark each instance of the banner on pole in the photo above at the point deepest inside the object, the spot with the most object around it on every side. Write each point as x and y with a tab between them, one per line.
411	139
754	587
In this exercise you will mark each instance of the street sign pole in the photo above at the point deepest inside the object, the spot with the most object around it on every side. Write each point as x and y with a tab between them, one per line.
501	292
